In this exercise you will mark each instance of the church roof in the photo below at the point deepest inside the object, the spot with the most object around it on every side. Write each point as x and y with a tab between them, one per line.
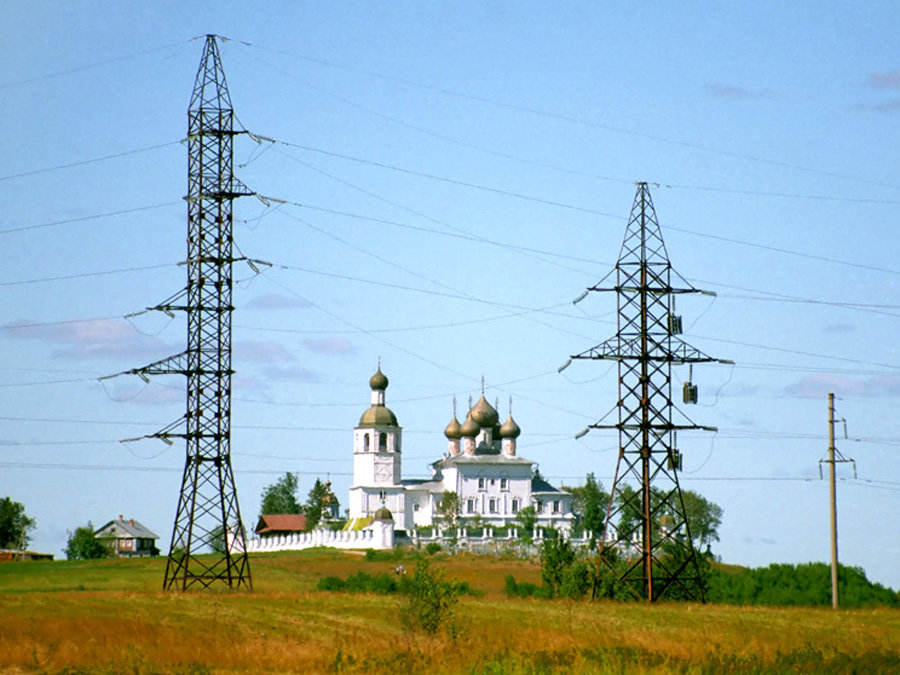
497	458
540	485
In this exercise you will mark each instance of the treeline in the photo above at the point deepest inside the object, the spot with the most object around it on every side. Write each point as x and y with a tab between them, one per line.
804	584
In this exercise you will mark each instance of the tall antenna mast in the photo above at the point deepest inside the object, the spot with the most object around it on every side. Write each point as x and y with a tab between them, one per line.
208	538
646	523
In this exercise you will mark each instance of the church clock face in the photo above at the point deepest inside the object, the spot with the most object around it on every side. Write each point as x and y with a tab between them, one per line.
382	471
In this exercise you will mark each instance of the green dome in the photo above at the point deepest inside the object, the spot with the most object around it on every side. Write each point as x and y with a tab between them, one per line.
510	429
453	430
484	414
378	416
379	380
383	514
470	428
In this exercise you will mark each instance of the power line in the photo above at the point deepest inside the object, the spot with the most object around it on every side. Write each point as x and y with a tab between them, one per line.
86	218
35	172
69	277
576	120
89	66
564	205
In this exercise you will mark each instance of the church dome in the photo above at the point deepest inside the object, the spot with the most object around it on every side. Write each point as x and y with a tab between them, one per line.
453	430
378	416
510	429
469	428
484	413
378	381
383	514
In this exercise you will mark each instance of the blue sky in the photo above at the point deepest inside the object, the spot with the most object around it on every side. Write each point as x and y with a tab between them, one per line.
455	174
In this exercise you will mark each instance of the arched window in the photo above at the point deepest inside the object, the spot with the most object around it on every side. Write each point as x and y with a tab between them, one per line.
382	441
365	442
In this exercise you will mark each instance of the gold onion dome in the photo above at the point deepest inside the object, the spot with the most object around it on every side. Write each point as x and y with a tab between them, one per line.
453	430
469	428
510	429
378	381
484	413
378	416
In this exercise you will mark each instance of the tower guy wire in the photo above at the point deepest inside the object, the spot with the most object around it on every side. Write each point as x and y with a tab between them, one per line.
208	538
647	543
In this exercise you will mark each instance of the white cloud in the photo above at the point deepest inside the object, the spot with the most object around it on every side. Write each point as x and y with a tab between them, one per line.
92	339
333	346
273	301
888	79
819	386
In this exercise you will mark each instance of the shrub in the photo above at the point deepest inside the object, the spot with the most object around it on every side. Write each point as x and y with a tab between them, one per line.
432	547
360	583
430	601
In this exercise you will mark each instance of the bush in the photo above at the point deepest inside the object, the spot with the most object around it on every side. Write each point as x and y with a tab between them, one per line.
432	547
430	601
576	580
526	589
360	583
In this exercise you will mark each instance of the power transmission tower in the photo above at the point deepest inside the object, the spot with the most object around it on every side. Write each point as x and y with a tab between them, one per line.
208	538
646	521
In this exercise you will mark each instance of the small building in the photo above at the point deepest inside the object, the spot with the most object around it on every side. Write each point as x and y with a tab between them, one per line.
127	539
279	524
14	555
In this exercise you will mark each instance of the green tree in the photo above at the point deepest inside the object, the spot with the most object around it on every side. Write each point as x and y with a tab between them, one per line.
556	557
430	601
527	519
281	496
448	509
83	545
590	503
14	524
703	517
320	497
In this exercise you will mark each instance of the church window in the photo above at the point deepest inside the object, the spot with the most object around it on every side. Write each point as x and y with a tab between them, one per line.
556	506
481	483
539	506
493	505
470	505
365	442
382	441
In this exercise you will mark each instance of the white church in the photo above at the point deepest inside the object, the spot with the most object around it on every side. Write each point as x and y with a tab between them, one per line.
481	466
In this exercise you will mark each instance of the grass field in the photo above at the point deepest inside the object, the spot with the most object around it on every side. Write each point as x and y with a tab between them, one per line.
112	617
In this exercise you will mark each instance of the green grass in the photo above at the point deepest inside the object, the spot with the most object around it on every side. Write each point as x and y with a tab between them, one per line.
112	617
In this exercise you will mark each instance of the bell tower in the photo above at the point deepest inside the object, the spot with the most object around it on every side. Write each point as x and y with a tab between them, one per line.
377	441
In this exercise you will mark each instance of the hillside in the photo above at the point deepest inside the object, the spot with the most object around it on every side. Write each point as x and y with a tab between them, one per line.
111	617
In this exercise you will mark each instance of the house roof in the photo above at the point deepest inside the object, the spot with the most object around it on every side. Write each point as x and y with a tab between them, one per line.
281	522
125	529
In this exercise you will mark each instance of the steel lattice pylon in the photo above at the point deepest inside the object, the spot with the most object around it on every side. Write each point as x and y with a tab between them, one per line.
208	539
646	536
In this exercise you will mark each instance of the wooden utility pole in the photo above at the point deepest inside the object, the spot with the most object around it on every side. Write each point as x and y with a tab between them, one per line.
833	494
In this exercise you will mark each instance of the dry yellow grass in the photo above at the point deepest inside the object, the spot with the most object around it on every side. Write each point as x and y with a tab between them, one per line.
124	624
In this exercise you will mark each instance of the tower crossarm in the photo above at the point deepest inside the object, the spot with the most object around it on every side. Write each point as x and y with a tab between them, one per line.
647	348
